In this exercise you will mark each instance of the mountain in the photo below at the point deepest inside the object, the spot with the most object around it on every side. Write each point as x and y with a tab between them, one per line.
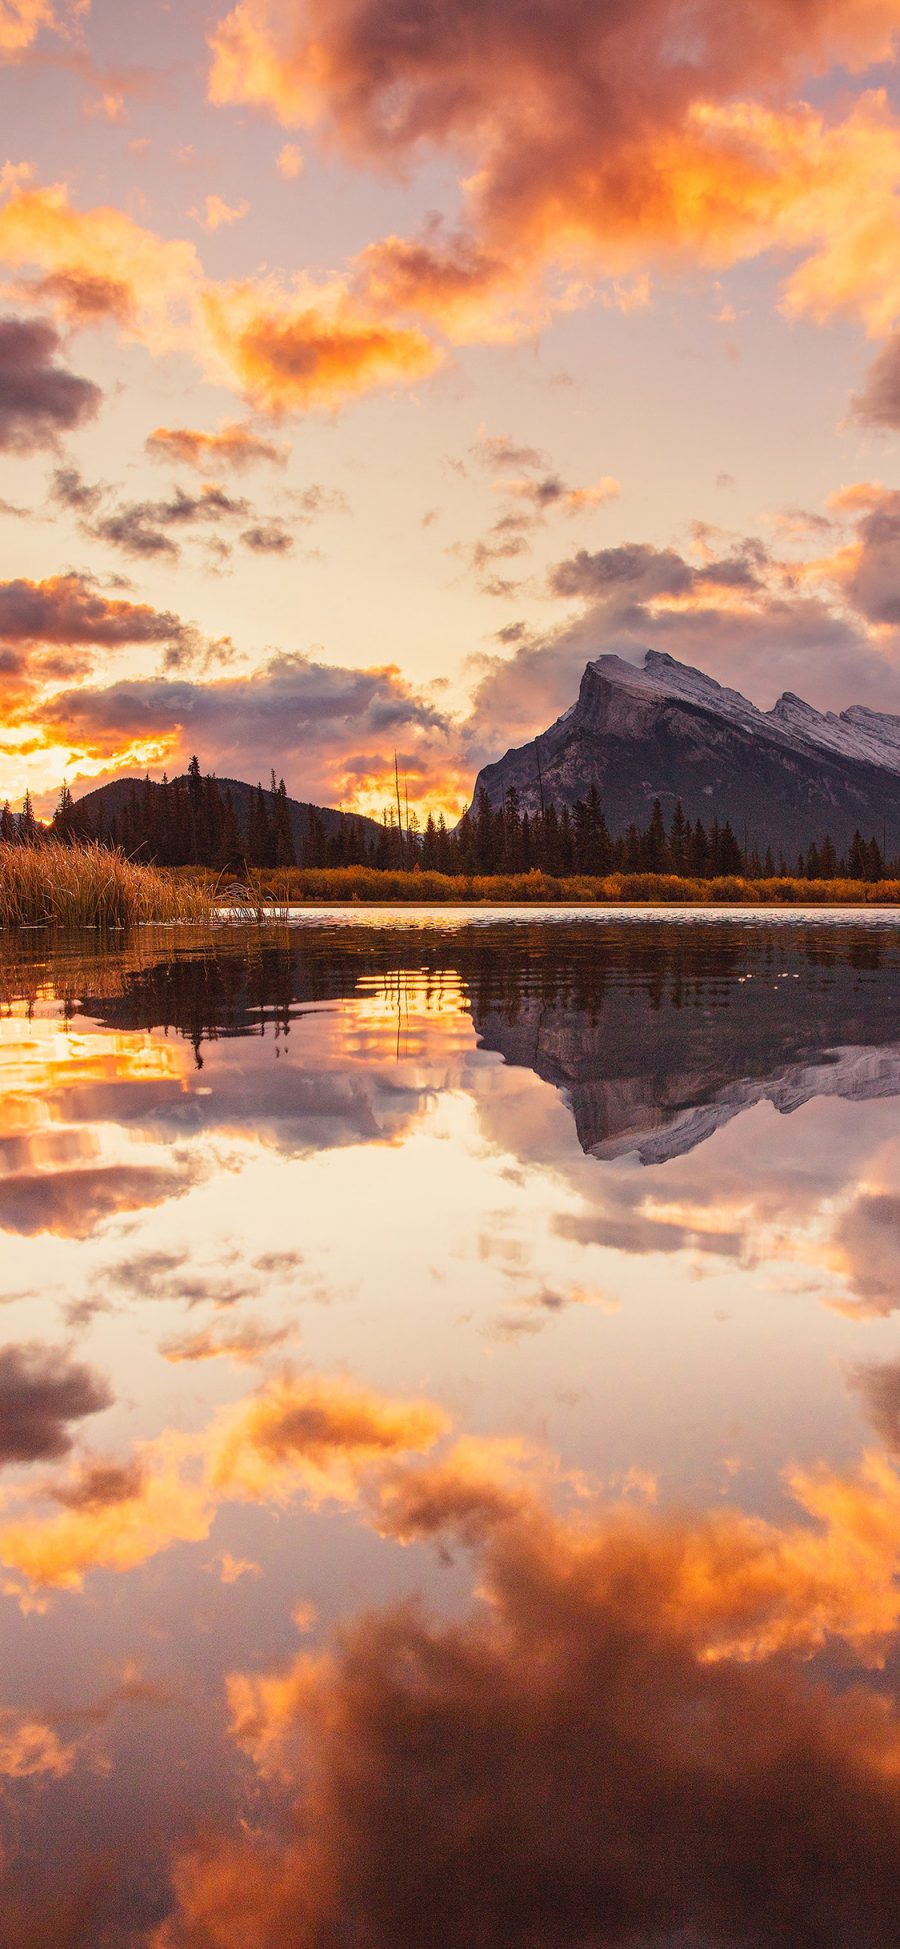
784	778
108	802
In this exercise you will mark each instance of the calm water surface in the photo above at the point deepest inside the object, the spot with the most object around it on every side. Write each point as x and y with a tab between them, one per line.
450	1436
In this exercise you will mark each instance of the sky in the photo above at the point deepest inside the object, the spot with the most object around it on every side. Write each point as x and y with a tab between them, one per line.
368	367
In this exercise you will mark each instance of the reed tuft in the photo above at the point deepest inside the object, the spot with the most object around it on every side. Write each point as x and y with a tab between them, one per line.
53	885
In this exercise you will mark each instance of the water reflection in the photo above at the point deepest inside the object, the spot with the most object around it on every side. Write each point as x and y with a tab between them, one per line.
449	1437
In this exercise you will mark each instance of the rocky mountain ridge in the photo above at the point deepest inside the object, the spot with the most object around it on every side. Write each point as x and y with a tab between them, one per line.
783	778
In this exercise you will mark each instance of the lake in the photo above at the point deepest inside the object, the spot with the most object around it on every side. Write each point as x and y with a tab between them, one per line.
450	1434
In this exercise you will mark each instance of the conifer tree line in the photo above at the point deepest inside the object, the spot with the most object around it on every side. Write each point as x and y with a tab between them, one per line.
193	821
577	840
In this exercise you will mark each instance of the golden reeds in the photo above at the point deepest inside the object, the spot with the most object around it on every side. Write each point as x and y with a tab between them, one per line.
273	893
52	885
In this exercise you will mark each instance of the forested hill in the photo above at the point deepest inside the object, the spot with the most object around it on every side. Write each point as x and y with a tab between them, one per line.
216	821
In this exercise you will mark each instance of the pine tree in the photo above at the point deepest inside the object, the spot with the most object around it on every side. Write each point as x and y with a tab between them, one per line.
283	838
634	851
874	861
731	859
566	843
656	848
512	832
699	851
484	833
856	859
61	825
259	836
679	840
28	831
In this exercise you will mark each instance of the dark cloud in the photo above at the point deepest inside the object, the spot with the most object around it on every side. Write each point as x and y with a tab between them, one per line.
636	567
211	504
142	1273
868	1238
508	538
101	1485
72	609
141	528
874	583
278	1262
268	538
880	1388
738	573
42	1390
71	1203
163	1276
70	490
434	275
878	404
39	399
504	456
130	529
308	503
248	723
85	297
547	491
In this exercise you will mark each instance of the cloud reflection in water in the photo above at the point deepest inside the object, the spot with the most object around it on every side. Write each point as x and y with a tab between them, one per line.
512	1307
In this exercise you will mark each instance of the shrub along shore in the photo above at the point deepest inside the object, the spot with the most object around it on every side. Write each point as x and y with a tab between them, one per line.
347	885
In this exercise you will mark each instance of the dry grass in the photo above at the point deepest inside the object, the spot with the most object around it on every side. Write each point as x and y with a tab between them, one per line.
273	892
52	885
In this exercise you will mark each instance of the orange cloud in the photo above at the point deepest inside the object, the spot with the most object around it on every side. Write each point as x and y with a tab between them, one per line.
287	348
99	262
324	1440
243	1343
292	353
324	1436
216	213
290	162
29	1749
167	1506
860	497
231	446
20	23
469	291
594	136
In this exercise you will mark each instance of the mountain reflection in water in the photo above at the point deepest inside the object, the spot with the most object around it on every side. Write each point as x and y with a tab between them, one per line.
450	1437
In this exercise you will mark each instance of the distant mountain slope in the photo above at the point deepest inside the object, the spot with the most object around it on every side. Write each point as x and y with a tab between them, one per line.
783	777
107	803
